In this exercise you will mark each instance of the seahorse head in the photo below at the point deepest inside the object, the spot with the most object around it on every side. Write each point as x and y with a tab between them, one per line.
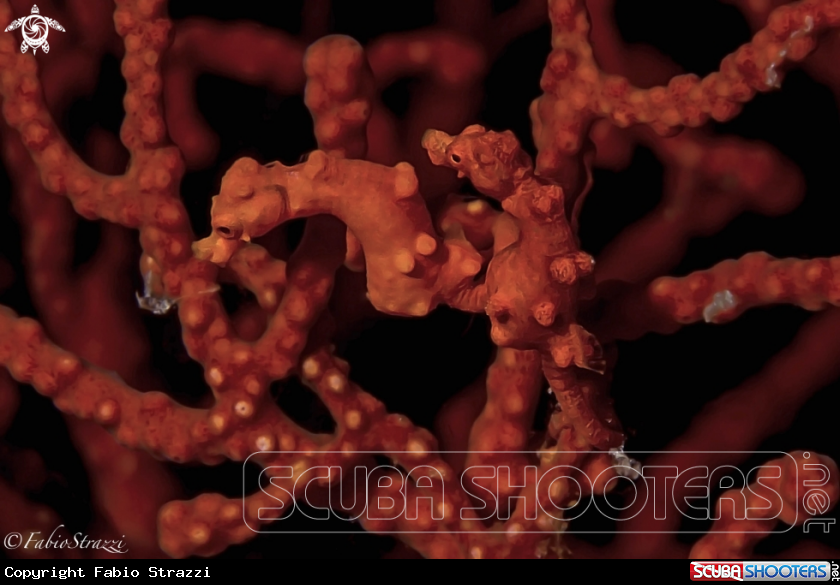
248	205
493	161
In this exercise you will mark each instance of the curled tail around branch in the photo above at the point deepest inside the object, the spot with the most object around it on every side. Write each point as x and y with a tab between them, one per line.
579	384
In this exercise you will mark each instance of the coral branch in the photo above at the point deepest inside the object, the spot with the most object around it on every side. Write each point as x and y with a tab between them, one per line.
577	92
780	492
728	289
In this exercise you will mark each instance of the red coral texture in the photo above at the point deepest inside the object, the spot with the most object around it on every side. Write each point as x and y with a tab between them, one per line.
323	234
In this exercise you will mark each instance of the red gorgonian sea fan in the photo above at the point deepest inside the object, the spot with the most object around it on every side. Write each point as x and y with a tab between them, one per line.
434	275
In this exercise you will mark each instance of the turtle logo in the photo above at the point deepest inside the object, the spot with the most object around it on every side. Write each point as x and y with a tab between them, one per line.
35	29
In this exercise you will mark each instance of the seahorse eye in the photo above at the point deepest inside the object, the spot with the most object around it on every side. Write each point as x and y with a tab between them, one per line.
455	158
229	232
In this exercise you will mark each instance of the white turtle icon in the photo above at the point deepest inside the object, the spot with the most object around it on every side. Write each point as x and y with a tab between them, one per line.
35	29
